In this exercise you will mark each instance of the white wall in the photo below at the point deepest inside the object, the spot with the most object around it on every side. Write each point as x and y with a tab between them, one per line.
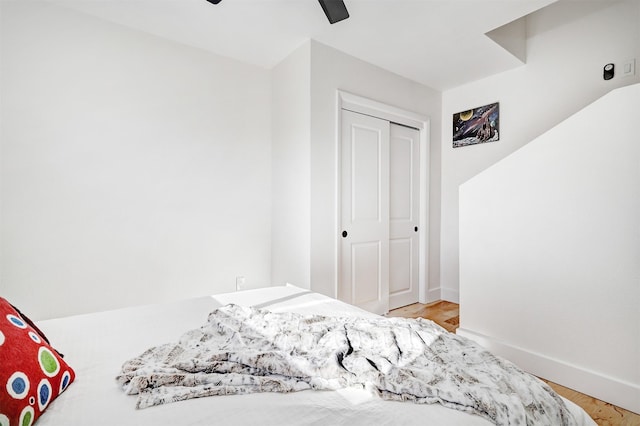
134	170
291	121
568	44
332	70
305	157
550	253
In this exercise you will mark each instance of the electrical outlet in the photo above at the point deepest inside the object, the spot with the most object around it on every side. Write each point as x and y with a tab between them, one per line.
239	283
629	68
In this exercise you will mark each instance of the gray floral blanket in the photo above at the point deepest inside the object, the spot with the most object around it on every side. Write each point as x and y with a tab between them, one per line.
243	350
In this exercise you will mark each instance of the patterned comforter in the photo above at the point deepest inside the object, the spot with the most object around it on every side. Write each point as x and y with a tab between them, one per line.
243	350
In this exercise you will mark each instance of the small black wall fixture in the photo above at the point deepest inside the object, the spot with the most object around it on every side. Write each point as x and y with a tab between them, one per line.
608	71
335	10
214	1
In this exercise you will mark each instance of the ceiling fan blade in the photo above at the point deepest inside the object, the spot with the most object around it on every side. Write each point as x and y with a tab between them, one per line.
335	10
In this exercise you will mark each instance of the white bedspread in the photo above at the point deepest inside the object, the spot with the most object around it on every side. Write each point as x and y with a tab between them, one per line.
246	350
97	344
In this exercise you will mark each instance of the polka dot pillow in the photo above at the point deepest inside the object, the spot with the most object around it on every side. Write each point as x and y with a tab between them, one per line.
32	373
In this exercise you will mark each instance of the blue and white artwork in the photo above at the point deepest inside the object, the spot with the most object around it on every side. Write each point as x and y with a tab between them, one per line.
477	125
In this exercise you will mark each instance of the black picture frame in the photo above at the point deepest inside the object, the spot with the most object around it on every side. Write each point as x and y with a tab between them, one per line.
476	125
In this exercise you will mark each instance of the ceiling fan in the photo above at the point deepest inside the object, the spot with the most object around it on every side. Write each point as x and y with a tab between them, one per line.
335	10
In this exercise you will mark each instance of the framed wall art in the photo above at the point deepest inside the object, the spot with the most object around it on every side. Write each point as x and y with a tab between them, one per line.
477	125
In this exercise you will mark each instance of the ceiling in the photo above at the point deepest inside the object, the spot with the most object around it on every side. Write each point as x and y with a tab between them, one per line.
439	43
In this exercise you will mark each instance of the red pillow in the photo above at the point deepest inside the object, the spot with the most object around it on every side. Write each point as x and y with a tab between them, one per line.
32	373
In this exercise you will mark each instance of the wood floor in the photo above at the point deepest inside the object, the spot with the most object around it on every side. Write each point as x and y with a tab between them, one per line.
446	314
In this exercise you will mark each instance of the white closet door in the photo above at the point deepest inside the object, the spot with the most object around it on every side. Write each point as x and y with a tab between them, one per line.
364	263
404	208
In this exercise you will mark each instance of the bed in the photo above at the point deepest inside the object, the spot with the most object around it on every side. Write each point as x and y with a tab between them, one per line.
96	345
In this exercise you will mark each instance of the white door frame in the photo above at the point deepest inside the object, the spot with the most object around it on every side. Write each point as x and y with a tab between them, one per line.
362	105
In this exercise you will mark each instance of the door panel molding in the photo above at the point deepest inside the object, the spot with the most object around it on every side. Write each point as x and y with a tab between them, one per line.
400	279
361	274
404	193
364	218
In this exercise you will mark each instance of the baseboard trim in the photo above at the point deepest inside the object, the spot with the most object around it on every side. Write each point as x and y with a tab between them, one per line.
608	389
433	295
450	295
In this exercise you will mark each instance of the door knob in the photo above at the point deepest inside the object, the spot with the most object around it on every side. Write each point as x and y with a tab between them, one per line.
344	234
415	229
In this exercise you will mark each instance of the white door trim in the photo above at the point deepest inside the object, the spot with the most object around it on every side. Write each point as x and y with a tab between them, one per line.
362	105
